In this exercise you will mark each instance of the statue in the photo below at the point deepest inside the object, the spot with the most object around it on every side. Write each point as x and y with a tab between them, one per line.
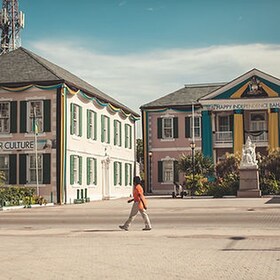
248	154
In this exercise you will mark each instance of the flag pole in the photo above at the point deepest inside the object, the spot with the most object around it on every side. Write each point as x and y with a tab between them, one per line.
36	149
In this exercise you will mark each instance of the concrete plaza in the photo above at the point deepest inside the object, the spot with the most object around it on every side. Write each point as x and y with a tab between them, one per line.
232	238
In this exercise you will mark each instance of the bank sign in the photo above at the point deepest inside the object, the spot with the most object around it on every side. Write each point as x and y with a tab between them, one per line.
244	106
22	145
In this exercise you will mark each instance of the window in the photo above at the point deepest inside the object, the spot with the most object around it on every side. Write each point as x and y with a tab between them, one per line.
189	127
32	168
105	129
91	171
128	174
4	117
117	173
197	126
91	125
117	133
35	116
76	120
4	167
168	171
75	170
128	136
258	123
167	127
224	123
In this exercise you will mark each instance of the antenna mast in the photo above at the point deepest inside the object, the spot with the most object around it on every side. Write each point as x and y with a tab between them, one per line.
11	22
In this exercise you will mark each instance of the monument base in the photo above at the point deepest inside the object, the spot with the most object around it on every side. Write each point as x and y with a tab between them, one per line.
249	183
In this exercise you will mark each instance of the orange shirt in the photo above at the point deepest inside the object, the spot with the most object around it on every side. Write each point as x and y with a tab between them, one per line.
137	194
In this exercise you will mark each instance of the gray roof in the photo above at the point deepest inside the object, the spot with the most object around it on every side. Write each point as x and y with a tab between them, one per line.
21	67
184	96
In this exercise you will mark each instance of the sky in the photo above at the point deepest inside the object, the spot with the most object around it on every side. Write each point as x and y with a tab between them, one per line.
140	50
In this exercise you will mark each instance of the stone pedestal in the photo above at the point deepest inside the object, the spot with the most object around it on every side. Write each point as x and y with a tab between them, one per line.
249	182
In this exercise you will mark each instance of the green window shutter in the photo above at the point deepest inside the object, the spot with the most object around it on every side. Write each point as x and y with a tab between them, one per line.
115	132
130	137
115	173
80	121
159	128
12	169
46	168
80	170
22	168
47	115
120	164
125	131
187	127
130	174
88	171
13	117
102	128
88	124
95	171
23	116
176	171
108	132
160	171
120	144
175	127
231	122
126	173
72	118
95	125
71	170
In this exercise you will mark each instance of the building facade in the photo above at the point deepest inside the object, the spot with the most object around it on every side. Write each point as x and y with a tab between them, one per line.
60	135
212	118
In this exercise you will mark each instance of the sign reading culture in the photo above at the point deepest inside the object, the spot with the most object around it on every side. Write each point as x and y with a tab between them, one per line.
17	145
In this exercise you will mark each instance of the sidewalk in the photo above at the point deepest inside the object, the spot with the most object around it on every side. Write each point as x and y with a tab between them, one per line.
192	239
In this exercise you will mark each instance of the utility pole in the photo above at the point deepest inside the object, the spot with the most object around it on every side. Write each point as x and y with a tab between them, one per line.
11	22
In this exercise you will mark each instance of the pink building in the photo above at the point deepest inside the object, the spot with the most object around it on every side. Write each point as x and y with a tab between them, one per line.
216	118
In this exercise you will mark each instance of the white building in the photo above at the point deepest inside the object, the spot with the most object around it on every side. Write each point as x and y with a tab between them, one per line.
85	139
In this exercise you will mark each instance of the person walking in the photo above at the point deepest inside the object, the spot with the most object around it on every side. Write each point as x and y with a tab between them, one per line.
139	204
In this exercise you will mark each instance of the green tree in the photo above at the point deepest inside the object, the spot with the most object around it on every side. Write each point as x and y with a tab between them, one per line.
139	150
197	172
269	170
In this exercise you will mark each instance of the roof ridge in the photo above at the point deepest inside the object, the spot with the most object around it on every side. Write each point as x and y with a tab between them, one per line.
35	57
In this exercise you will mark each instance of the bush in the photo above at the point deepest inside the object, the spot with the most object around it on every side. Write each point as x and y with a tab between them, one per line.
14	196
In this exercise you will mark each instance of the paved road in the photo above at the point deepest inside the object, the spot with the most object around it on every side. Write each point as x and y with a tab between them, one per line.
191	239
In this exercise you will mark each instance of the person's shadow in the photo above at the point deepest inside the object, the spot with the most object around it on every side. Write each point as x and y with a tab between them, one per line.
273	200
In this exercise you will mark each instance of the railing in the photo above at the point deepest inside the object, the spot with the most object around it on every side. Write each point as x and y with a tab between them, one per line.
257	139
223	136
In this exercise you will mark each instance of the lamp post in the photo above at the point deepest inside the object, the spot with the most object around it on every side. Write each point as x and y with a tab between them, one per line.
192	145
150	172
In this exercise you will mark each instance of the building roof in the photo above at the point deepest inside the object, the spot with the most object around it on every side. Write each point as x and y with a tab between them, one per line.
184	96
23	67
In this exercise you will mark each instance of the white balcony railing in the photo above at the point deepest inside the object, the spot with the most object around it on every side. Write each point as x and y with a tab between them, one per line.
223	136
258	139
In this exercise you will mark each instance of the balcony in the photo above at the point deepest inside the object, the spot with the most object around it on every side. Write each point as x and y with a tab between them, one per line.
260	138
222	137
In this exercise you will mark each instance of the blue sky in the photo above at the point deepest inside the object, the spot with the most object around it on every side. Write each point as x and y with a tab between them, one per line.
139	50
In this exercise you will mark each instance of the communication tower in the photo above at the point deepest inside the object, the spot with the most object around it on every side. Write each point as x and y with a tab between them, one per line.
11	22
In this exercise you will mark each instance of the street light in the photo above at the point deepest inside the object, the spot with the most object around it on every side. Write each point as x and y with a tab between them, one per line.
150	171
192	145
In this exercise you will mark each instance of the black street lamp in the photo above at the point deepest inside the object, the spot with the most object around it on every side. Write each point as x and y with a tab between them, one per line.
150	172
192	145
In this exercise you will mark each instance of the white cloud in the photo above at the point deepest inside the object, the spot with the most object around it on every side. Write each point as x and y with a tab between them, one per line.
136	79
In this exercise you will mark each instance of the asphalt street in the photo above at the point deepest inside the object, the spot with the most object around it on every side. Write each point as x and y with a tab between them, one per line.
199	239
